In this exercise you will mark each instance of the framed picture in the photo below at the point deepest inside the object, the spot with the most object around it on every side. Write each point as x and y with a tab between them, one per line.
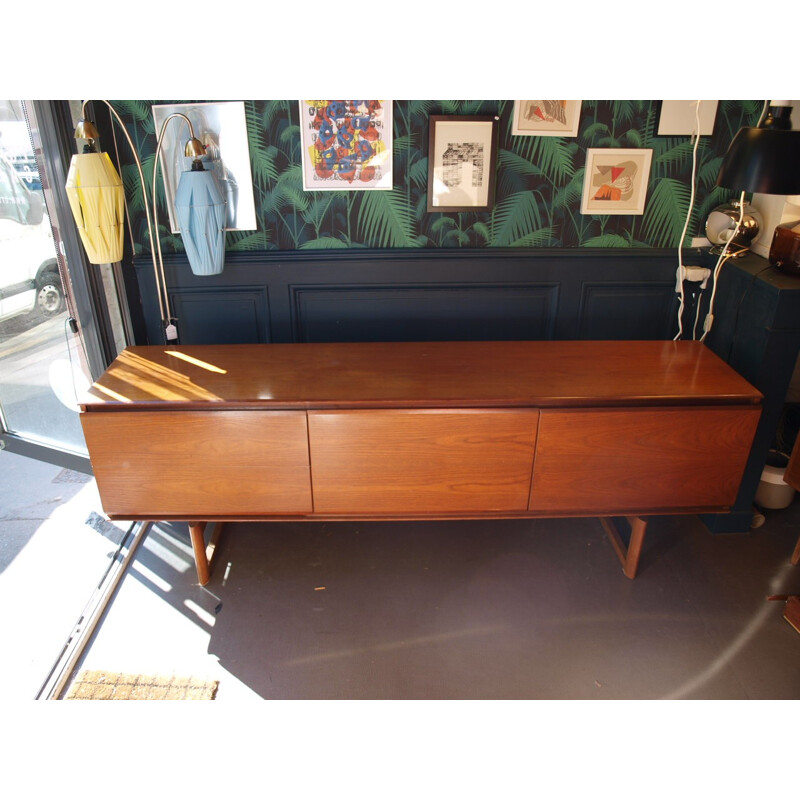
546	117
346	144
615	181
222	128
679	117
461	163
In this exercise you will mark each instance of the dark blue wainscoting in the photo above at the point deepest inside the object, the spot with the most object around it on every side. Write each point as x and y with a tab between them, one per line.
418	295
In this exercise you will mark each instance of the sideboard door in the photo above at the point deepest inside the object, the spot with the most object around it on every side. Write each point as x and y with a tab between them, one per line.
638	460
406	462
199	464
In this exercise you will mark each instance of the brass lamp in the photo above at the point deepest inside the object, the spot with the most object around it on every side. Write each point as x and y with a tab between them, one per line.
96	197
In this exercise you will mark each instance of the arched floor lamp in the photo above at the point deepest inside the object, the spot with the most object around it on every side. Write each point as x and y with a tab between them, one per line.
97	200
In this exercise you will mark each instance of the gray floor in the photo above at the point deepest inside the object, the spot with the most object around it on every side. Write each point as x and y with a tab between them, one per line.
468	610
471	610
55	546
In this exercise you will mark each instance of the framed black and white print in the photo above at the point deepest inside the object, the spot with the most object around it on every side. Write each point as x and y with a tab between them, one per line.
462	154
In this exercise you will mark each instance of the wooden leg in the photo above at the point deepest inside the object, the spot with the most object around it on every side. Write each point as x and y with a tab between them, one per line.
628	556
203	555
796	554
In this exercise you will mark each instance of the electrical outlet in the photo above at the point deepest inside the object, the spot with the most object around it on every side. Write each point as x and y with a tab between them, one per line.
698	275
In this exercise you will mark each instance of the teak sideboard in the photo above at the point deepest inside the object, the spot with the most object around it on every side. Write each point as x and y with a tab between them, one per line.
428	430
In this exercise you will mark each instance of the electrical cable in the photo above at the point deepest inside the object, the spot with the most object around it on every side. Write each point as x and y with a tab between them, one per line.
723	257
697	315
763	114
68	324
682	304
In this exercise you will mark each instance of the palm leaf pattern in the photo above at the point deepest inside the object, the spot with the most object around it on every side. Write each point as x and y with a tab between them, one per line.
515	217
607	240
665	213
539	182
384	218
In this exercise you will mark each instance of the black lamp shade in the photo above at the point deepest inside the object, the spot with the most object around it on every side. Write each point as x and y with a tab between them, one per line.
762	160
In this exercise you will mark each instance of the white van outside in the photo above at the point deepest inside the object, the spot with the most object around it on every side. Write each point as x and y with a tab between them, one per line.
29	278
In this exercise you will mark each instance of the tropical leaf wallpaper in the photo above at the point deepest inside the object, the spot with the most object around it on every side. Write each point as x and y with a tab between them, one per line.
538	194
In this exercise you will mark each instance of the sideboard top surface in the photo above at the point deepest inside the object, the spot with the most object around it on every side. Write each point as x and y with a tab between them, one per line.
419	375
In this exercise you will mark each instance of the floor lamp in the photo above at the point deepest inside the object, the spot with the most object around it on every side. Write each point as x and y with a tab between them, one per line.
96	197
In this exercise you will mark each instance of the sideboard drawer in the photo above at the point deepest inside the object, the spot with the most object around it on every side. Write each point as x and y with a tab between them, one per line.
417	462
638	460
199	463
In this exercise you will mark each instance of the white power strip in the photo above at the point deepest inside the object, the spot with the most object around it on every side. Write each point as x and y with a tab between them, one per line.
694	274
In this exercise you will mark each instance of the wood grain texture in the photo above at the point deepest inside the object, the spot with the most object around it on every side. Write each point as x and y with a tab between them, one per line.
420	375
415	430
199	464
639	460
385	461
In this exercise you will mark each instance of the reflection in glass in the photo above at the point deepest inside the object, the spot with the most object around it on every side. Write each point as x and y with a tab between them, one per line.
41	376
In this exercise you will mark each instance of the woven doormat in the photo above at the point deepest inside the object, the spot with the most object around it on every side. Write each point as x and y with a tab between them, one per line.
100	685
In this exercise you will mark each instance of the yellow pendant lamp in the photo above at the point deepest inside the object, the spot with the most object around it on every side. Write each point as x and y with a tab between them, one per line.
96	196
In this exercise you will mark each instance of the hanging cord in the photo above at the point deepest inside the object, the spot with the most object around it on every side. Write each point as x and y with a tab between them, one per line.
723	257
171	329
696	317
150	216
70	325
681	268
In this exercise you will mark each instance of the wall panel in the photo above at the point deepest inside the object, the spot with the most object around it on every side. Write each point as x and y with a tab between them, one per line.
222	316
424	313
394	295
611	310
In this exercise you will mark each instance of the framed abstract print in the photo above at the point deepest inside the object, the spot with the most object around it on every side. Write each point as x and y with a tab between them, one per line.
462	154
615	181
346	144
546	117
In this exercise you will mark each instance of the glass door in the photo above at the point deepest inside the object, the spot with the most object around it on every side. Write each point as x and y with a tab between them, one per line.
60	324
45	341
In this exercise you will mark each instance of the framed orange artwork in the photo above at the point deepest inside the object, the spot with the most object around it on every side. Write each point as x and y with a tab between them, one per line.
615	180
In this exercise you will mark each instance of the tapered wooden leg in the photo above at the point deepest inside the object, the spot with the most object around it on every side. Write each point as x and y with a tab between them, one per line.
628	556
197	531
796	554
203	555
